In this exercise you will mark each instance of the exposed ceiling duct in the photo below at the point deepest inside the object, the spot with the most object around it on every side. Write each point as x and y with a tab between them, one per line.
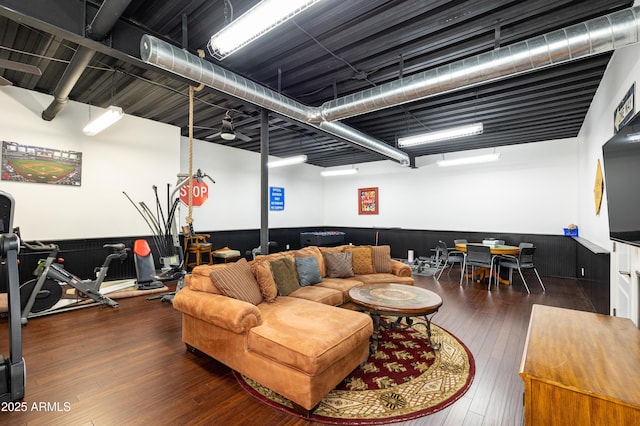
181	62
579	41
592	37
98	29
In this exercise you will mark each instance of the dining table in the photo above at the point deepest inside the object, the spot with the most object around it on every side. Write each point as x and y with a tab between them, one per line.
496	249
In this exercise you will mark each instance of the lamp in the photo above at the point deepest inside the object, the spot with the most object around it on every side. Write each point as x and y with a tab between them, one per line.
339	172
287	161
469	160
440	135
257	21
110	116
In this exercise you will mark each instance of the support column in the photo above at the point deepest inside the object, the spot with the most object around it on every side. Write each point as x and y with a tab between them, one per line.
264	181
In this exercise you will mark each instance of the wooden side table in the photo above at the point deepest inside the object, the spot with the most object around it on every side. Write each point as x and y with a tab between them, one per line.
580	368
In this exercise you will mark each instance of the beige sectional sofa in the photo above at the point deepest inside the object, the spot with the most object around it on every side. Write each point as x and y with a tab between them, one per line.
301	344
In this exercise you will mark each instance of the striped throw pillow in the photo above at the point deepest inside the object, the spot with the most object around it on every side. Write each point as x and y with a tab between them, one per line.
237	281
381	256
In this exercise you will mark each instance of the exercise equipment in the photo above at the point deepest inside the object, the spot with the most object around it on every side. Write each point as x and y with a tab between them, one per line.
39	296
12	369
145	266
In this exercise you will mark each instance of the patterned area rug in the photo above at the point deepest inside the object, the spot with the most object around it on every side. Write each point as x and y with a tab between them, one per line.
405	379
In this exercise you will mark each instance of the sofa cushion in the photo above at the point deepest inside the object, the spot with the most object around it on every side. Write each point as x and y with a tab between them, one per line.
284	274
316	293
361	261
236	281
308	271
343	285
338	265
381	257
307	336
383	279
261	269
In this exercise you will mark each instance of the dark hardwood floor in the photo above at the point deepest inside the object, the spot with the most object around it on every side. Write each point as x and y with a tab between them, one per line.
128	365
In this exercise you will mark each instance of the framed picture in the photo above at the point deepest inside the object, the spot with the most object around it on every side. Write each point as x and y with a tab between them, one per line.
27	163
368	200
625	109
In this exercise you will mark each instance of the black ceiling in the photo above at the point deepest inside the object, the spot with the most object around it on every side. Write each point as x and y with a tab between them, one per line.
335	48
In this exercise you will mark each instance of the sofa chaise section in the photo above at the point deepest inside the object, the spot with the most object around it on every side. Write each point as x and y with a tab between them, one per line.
295	347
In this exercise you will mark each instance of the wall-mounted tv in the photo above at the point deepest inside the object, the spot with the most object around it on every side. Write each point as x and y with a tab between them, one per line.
621	155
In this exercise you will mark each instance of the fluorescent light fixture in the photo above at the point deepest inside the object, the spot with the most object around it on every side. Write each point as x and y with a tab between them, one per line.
287	161
110	116
440	135
339	172
257	21
469	160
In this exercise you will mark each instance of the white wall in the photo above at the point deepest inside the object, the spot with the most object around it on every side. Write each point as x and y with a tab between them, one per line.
527	191
132	156
622	72
530	190
234	200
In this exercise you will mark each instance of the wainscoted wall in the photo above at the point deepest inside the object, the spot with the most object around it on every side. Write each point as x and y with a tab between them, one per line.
556	255
592	271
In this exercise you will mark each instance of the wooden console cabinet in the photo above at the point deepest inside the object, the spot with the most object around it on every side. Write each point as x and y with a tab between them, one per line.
580	368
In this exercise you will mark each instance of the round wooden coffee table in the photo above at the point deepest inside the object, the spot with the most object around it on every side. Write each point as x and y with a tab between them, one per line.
400	300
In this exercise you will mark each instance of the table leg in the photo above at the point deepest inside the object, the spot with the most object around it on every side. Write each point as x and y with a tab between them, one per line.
435	346
376	332
409	321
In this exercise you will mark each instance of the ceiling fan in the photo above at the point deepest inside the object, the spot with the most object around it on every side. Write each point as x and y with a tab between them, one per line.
227	131
17	66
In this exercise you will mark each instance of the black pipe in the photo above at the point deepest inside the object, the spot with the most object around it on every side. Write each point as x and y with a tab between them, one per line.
98	29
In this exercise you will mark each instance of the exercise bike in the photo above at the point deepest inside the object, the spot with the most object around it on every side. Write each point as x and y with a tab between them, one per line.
40	295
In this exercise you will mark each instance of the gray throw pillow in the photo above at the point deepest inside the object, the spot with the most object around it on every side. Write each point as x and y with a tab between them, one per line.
338	264
308	271
284	274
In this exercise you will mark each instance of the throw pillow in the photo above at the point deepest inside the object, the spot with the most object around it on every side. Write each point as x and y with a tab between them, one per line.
237	281
362	263
338	264
381	256
262	271
308	271
315	252
284	274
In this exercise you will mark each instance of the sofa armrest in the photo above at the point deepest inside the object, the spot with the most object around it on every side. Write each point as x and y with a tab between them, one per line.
222	311
400	269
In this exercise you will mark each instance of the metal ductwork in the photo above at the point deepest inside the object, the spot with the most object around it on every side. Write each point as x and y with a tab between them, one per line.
98	29
579	41
183	63
589	38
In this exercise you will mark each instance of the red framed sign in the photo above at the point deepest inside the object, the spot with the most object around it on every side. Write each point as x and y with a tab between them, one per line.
368	200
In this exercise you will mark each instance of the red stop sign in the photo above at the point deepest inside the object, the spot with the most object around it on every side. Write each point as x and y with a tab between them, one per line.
200	191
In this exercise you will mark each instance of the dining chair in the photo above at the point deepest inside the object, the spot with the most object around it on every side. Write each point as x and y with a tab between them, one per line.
448	257
479	256
524	260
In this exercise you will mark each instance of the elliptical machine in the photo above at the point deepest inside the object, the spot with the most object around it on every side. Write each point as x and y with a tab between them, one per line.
13	369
